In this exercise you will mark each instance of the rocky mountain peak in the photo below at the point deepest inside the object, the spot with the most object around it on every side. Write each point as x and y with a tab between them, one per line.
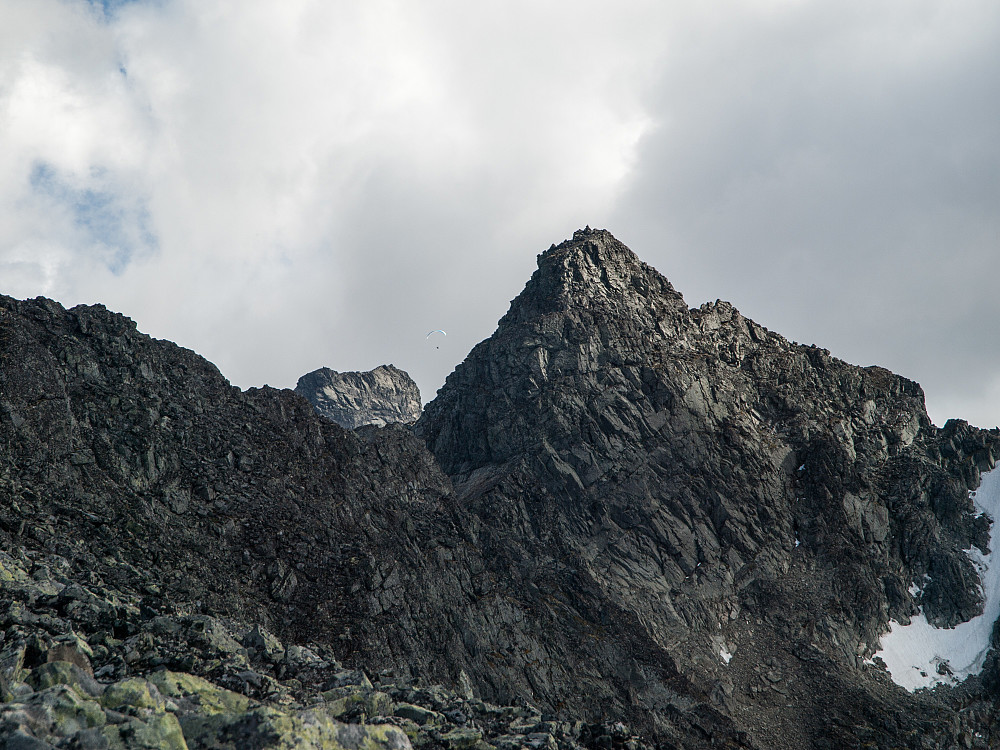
617	509
594	269
705	476
385	395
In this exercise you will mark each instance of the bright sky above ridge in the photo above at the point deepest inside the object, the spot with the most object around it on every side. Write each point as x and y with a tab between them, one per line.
285	186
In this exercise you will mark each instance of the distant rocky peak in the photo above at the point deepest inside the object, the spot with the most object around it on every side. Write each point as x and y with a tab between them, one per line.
381	396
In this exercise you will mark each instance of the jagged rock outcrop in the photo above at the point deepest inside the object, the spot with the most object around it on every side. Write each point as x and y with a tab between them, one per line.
617	509
385	395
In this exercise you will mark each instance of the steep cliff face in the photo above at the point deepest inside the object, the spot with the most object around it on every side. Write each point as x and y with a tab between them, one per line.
616	509
721	490
385	395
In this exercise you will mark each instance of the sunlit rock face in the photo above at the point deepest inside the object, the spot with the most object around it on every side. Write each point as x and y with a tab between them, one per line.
382	396
617	509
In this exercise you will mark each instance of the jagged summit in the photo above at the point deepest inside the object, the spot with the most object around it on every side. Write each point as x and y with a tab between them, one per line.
706	478
593	268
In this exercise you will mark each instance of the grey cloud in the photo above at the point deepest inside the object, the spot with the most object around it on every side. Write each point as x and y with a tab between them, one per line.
838	180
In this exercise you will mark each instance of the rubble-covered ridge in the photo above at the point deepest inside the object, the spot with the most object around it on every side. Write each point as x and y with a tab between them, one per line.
382	396
88	666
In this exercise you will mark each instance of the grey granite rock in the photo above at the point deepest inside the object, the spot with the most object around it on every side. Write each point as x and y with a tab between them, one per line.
378	397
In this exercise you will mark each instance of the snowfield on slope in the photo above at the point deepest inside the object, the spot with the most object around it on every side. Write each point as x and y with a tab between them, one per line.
920	655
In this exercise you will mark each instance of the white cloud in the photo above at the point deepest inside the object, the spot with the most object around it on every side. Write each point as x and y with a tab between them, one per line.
71	152
316	172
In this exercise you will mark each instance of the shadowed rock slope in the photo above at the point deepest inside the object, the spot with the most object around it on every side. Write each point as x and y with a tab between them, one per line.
608	498
157	518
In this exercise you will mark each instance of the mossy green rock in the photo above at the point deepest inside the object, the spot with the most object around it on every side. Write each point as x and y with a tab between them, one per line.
462	739
56	712
157	731
417	714
62	673
265	644
411	729
210	699
134	692
346	702
372	737
66	710
11	670
10	571
267	728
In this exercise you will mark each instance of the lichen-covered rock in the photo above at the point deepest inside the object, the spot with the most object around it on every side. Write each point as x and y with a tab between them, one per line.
357	703
462	739
267	727
62	673
201	695
152	731
417	714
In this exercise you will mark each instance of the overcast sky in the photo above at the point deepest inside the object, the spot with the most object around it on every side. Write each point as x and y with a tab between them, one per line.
282	186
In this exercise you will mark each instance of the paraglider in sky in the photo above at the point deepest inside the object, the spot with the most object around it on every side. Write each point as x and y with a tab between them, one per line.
432	333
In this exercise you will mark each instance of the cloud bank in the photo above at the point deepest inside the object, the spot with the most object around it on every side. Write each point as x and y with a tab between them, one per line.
287	186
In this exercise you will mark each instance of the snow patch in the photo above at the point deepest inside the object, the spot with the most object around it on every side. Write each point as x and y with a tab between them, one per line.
726	656
919	655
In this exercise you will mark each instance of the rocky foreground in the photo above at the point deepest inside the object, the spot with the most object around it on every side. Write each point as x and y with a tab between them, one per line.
85	666
628	521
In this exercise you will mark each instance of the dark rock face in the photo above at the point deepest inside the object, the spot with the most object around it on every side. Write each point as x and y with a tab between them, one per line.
385	395
138	463
715	488
607	499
